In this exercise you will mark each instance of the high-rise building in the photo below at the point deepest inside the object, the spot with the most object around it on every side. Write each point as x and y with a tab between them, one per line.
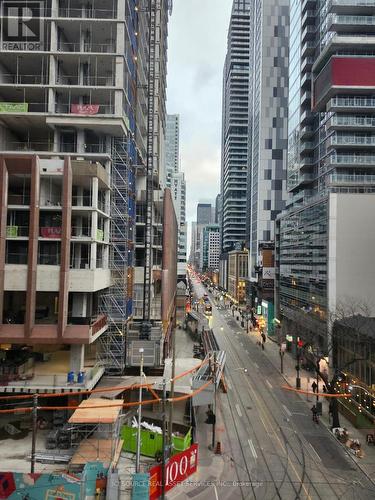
175	180
325	239
235	117
268	140
178	189
71	141
204	213
172	147
210	247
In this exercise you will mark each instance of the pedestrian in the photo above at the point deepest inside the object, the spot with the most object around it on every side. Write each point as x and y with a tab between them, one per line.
314	386
263	346
324	389
263	337
314	412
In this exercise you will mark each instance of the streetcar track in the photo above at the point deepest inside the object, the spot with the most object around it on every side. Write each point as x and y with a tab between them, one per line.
305	474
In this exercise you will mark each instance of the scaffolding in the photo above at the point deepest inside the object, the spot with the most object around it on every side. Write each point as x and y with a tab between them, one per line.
116	302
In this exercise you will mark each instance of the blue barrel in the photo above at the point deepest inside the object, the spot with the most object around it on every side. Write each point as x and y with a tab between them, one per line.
70	378
81	377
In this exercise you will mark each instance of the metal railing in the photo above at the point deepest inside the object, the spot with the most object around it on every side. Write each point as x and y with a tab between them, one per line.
353	102
353	140
352	159
351	179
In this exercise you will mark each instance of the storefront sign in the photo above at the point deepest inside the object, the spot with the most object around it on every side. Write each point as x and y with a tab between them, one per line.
14	107
179	468
84	109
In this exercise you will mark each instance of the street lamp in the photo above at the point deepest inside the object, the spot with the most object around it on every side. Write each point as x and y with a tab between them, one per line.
138	455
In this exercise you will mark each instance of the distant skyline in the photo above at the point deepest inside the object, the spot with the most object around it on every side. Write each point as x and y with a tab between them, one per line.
197	46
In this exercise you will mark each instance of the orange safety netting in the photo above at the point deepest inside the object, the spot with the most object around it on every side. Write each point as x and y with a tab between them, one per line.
322	394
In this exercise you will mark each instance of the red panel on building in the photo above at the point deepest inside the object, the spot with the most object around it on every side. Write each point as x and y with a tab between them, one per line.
353	71
343	74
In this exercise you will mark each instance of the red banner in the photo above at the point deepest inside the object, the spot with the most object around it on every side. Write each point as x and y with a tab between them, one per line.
50	232
179	468
84	109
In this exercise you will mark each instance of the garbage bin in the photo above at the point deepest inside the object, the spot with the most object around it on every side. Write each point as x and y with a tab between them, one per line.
81	377
319	408
70	378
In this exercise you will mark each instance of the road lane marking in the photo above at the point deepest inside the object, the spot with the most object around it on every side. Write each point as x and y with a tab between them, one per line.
229	386
269	384
252	448
288	412
216	495
256	366
238	410
315	452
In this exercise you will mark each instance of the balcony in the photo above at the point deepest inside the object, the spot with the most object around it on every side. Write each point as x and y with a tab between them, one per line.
307	162
352	6
308	49
86	80
307	117
347	122
308	34
355	103
352	160
340	179
306	81
308	5
351	141
359	24
307	63
306	132
309	17
307	147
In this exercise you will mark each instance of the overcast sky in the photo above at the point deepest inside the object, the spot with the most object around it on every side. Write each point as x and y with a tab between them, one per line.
197	45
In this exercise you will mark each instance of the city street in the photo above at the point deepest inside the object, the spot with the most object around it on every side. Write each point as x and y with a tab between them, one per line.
273	442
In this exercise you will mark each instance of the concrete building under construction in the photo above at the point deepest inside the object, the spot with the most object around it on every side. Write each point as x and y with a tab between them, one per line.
82	113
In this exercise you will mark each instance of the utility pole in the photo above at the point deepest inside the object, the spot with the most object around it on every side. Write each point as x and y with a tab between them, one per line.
164	440
170	427
34	432
138	455
298	367
214	405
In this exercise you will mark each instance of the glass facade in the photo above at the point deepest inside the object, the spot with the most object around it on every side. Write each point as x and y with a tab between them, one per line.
303	254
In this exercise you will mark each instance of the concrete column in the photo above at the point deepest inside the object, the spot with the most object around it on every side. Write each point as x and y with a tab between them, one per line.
32	263
77	357
3	227
95	192
66	232
80	141
94	228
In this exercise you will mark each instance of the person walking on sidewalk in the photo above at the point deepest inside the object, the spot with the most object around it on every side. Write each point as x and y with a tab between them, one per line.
315	414
314	386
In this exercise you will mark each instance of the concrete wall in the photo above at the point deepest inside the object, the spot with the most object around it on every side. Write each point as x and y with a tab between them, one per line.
351	266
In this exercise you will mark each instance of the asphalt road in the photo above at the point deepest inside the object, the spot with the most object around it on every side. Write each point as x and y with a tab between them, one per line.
273	442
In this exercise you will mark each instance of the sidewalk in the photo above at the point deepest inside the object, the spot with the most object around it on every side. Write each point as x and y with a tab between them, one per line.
367	463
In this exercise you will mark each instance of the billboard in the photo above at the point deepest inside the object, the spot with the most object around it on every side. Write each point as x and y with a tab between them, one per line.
178	468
